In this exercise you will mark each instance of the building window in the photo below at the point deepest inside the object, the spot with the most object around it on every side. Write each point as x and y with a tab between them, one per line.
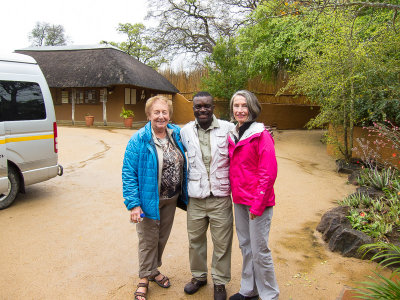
81	96
64	96
91	96
130	96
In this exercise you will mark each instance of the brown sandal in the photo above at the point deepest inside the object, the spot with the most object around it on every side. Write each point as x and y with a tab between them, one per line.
141	294
162	281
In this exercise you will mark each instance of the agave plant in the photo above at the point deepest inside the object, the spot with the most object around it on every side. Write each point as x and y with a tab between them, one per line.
380	179
381	287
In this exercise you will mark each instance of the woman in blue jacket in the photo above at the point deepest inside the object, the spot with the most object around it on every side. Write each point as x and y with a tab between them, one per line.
154	183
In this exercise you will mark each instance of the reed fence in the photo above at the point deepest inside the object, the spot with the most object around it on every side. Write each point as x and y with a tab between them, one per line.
188	83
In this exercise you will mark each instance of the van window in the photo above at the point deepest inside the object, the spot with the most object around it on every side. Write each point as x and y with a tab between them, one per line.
20	100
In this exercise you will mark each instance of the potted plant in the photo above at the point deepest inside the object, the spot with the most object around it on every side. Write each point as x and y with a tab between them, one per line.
128	115
89	119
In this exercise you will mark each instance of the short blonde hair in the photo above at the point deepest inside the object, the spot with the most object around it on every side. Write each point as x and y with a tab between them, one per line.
152	100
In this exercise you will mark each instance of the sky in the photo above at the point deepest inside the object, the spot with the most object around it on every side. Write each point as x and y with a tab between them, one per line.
85	22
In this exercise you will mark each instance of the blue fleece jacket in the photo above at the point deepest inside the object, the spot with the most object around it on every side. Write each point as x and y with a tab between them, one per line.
140	172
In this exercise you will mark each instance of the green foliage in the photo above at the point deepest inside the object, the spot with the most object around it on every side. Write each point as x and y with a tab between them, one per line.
226	72
263	47
381	287
370	223
376	217
386	253
385	179
270	44
352	75
126	113
139	44
357	200
380	179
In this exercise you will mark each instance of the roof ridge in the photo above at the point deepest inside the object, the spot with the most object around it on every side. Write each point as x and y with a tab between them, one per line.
71	48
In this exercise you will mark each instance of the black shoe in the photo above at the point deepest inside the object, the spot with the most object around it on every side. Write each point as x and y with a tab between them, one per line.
239	296
219	292
194	285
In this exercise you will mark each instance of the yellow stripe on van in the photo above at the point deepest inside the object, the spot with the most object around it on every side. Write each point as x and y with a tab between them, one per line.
27	138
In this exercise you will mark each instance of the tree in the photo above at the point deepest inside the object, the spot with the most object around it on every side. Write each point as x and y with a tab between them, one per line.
353	76
271	44
139	44
226	72
193	26
346	61
45	34
336	4
264	47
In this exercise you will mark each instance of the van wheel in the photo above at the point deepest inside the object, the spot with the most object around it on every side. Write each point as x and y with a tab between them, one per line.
13	188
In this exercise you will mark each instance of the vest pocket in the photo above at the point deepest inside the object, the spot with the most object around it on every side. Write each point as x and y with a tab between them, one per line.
191	158
223	180
194	184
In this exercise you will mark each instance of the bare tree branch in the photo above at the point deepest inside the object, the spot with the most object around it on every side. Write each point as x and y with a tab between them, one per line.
194	26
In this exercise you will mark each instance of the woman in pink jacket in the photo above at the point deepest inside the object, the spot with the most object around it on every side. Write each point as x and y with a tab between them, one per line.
252	174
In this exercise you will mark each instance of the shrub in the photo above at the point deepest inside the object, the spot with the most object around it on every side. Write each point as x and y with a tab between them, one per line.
381	287
387	136
380	179
376	217
357	200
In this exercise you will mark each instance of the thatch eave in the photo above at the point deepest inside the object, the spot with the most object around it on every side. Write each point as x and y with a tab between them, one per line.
96	67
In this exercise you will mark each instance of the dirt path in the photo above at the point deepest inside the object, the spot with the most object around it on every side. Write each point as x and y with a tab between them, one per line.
70	238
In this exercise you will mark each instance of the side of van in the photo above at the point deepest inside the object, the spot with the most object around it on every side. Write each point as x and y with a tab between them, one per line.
28	128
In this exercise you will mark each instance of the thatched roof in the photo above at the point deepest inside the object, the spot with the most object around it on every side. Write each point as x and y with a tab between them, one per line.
95	66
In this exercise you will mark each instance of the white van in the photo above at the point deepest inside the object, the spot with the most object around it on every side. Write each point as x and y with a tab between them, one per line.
28	128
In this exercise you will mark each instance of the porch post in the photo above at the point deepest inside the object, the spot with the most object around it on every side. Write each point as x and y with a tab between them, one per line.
73	106
104	106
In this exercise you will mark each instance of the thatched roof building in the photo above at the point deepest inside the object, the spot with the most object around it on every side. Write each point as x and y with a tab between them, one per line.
95	66
99	80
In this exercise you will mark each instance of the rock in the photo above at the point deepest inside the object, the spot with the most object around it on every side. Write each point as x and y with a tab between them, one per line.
337	232
331	214
347	241
343	166
339	222
353	176
370	191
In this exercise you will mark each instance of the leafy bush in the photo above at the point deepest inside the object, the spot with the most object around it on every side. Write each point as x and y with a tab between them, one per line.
376	217
380	179
371	222
381	287
357	200
126	113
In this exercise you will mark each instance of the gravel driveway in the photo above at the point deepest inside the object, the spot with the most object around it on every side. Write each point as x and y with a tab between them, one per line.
70	238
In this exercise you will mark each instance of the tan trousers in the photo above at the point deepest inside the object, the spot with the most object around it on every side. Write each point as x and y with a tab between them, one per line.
216	212
153	236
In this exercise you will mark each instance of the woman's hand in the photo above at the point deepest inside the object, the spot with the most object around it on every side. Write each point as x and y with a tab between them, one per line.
252	216
135	214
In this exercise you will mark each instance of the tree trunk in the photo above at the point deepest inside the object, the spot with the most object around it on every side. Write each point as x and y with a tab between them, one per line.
345	152
351	119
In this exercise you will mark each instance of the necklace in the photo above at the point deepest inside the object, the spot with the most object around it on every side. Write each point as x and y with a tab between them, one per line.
163	141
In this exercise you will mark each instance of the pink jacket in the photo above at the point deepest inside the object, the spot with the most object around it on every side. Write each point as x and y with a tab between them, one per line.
253	168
